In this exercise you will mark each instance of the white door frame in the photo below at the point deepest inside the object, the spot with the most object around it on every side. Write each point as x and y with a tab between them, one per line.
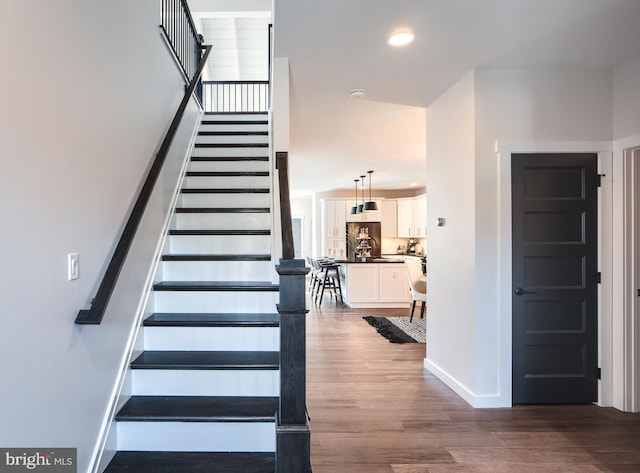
605	249
630	346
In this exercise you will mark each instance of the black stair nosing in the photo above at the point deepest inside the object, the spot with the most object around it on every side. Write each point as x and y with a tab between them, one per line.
220	232
247	409
234	133
237	190
231	145
217	257
223	210
217	286
229	158
207	360
222	319
227	174
125	461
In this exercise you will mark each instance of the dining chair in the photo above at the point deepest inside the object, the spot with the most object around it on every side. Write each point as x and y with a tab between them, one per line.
417	285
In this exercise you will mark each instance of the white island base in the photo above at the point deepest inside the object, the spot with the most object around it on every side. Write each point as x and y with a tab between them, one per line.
368	285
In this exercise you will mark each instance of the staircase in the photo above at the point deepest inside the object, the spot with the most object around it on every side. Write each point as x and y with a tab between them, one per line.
205	388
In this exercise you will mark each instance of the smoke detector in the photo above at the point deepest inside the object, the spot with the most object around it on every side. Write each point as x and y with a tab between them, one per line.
356	93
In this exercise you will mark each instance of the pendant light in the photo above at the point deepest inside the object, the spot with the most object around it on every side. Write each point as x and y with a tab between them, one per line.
371	205
360	206
354	209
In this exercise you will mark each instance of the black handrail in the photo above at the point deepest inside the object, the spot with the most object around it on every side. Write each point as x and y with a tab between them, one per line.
94	315
288	250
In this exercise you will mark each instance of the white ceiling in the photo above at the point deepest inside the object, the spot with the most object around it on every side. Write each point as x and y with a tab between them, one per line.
337	45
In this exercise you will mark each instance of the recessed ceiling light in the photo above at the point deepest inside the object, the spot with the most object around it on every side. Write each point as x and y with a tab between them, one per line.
401	38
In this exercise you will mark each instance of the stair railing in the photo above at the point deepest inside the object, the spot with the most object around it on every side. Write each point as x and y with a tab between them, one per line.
235	96
293	433
176	23
94	315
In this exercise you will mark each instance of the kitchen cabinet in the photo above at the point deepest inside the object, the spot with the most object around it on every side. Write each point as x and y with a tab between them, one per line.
371	216
412	217
393	283
420	216
405	218
334	228
389	218
370	285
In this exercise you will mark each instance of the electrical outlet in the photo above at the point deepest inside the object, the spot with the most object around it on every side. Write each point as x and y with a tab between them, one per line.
73	266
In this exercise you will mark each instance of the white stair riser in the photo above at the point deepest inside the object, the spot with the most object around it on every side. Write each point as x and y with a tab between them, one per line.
227	117
242	151
234	127
226	182
197	436
226	139
222	221
214	301
236	201
217	270
228	166
220	244
206	382
212	338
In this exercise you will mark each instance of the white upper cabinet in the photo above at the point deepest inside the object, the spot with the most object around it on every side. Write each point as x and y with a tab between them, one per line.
389	218
370	216
412	217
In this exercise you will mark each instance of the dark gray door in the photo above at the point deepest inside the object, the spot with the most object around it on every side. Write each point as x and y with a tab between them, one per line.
555	296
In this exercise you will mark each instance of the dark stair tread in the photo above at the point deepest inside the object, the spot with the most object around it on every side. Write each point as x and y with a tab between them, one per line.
229	158
220	232
246	190
162	319
233	133
191	462
204	257
231	145
199	409
222	210
207	360
248	286
227	173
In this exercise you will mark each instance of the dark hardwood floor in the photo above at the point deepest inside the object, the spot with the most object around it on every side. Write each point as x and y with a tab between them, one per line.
375	409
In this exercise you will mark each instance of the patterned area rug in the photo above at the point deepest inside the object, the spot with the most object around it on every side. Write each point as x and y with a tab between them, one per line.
399	330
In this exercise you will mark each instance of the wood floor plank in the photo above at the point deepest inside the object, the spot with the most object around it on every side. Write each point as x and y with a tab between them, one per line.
375	409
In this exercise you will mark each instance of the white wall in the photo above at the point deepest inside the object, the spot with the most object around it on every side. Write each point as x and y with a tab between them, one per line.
87	93
516	105
626	99
303	207
451	325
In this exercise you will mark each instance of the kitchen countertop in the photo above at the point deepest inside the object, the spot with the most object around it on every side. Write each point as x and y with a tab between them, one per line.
370	260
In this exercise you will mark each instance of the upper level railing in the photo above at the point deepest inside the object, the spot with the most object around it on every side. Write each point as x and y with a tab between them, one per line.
235	96
177	24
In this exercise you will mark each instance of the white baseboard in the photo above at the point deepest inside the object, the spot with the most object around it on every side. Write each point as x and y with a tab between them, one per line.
475	400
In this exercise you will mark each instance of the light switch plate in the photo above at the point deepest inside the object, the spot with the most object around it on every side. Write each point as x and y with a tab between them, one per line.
73	266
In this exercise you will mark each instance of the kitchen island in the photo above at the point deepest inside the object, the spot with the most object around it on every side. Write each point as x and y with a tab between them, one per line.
375	283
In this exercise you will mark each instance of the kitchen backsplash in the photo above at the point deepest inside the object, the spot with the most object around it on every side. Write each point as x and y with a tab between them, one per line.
390	245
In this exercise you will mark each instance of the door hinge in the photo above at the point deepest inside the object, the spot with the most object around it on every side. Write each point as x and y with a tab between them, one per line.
599	279
599	179
638	292
599	373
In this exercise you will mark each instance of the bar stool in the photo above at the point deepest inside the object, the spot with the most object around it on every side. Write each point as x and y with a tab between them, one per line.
329	279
